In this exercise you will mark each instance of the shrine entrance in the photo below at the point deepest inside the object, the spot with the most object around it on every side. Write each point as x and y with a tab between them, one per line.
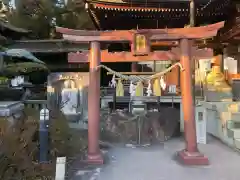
141	52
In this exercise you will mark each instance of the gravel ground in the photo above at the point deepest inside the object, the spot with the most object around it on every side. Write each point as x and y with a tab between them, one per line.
157	163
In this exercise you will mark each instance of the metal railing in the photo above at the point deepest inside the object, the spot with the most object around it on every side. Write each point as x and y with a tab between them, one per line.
35	104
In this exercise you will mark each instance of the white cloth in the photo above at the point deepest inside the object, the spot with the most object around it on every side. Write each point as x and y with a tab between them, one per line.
163	83
113	82
149	89
18	80
132	89
14	82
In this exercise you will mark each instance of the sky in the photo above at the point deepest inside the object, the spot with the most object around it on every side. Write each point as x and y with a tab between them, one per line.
13	3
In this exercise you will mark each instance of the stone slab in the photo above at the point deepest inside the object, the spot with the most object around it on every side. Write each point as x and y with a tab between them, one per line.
134	164
237	143
9	108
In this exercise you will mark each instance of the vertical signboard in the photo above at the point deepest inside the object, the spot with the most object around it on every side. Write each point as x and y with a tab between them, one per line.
68	92
201	125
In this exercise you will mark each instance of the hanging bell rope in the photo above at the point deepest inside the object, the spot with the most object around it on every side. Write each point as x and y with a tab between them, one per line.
135	78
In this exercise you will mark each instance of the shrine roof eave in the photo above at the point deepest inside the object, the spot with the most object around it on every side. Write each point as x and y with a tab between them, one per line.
47	46
231	31
151	1
202	32
174	6
6	25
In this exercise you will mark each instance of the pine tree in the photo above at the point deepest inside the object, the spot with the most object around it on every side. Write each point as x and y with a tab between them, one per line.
41	16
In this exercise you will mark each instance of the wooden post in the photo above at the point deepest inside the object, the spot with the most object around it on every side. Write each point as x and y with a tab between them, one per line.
190	155
94	154
192	24
192	13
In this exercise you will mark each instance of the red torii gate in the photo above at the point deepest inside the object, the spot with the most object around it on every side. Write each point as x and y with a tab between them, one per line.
106	56
190	155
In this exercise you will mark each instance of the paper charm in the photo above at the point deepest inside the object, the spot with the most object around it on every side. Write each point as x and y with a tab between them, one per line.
113	82
163	83
132	89
149	89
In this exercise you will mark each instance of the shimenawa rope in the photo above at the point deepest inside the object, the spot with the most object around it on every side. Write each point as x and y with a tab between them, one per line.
136	78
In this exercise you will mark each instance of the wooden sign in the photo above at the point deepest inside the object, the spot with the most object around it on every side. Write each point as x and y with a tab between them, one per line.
141	45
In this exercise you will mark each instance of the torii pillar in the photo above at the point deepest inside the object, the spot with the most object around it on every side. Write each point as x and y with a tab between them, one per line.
190	155
94	153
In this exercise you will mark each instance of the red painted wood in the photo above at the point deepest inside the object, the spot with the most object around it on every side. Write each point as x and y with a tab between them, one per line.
122	57
94	154
128	35
129	57
187	97
205	53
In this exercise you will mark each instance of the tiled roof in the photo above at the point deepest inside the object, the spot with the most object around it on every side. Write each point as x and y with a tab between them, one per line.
7	25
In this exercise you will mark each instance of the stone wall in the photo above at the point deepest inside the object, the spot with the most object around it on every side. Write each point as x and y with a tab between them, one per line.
223	121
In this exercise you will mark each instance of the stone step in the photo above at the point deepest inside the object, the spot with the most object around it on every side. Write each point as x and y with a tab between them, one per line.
237	143
233	124
215	96
235	117
233	133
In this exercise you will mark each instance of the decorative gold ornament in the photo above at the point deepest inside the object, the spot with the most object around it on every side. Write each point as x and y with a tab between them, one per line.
141	44
216	80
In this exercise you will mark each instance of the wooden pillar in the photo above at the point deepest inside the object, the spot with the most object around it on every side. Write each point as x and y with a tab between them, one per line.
192	13
192	24
94	154
190	155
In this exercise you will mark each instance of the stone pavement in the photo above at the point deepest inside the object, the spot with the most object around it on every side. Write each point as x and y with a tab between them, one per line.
157	163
